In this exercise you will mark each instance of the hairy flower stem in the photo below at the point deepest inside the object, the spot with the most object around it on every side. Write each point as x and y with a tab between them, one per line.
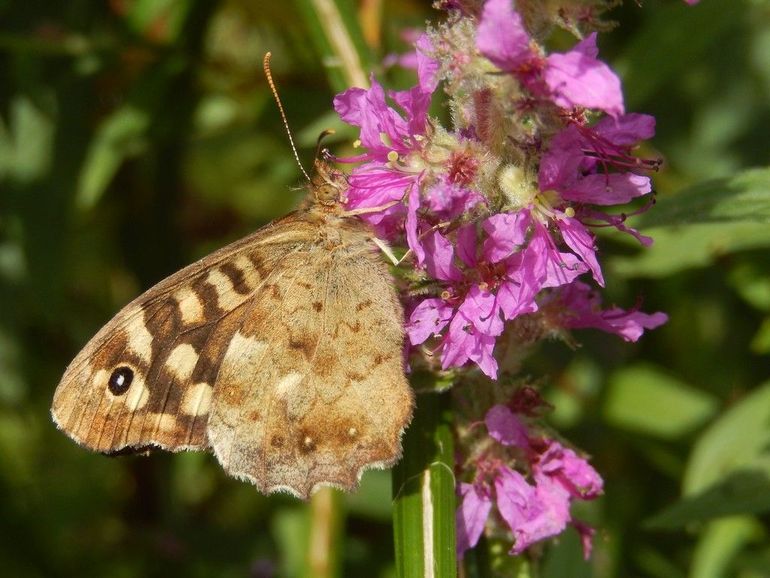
424	494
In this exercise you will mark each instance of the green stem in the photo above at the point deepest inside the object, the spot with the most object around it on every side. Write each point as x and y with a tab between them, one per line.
323	559
424	494
333	27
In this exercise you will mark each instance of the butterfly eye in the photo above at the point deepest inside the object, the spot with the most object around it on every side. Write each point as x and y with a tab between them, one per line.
120	380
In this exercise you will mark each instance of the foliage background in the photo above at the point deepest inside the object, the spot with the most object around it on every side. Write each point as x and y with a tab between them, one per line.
138	135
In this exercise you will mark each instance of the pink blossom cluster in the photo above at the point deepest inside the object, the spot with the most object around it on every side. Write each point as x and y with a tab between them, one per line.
498	237
532	510
498	212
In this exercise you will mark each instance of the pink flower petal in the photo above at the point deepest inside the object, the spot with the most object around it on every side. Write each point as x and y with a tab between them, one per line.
471	517
585	311
532	513
505	232
427	67
466	244
463	343
574	473
505	427
608	189
577	238
578	78
586	537
427	319
439	257
501	36
412	232
628	129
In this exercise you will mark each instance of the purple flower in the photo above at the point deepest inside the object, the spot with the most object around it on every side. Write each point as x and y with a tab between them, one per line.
448	200
393	127
578	78
577	159
574	473
472	333
383	129
471	516
582	308
505	427
575	78
517	259
532	512
576	166
502	38
428	319
490	245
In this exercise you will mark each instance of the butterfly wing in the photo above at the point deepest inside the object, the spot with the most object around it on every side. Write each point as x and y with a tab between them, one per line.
312	389
163	350
282	351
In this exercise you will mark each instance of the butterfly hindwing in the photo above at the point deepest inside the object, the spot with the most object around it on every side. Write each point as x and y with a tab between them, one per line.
312	388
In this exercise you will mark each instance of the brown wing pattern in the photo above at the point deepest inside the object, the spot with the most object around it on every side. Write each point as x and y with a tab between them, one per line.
282	352
325	396
171	339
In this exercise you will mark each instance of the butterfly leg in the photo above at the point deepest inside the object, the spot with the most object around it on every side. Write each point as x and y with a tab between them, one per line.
368	210
387	251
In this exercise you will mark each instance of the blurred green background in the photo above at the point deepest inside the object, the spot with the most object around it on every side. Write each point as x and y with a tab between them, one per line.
139	135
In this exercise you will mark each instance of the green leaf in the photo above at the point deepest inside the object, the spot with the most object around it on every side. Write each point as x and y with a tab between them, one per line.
686	247
752	282
291	529
761	341
119	137
642	398
719	544
739	440
741	198
424	494
701	224
729	469
26	145
372	500
741	492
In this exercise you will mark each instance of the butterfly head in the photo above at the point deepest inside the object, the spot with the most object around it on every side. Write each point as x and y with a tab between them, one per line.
327	184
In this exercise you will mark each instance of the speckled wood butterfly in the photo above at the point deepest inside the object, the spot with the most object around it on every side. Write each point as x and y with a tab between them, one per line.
281	353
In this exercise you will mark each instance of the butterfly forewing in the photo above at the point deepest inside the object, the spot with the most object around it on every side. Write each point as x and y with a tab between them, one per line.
169	340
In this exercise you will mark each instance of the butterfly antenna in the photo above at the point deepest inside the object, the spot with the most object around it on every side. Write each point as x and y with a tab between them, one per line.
269	76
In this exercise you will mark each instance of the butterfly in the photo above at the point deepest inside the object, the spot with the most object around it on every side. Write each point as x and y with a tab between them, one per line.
282	353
